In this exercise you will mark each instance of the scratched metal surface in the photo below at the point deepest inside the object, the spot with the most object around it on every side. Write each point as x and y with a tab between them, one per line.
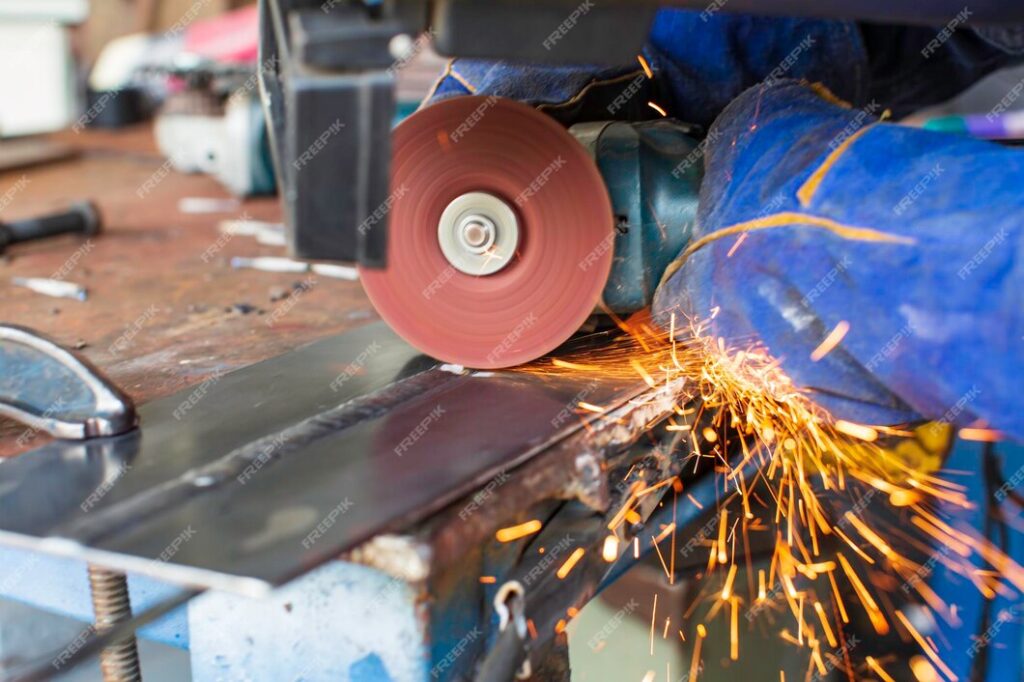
256	476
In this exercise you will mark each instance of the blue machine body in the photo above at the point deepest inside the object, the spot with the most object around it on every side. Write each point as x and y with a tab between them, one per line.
653	178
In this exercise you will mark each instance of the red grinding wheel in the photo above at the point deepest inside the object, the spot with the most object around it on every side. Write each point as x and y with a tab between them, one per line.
500	237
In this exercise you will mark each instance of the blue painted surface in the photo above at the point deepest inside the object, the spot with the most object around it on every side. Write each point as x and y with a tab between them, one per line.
61	586
962	648
369	669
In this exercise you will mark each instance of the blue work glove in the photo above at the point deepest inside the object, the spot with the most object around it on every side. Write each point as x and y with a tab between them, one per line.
701	61
914	239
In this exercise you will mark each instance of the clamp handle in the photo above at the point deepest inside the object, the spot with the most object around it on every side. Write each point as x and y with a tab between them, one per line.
48	388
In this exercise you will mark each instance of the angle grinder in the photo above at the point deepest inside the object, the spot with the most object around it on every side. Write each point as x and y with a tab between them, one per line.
508	231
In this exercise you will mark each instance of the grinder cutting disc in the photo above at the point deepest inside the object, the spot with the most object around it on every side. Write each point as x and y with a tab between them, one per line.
500	237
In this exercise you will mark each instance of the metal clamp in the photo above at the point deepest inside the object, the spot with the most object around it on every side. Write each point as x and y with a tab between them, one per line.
48	388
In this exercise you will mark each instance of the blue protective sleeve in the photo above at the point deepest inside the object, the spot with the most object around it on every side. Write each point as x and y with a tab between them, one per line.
936	318
703	60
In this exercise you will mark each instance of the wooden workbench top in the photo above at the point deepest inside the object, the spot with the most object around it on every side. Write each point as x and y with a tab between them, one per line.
165	309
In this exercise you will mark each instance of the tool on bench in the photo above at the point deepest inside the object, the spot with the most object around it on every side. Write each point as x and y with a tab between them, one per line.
81	218
507	231
51	389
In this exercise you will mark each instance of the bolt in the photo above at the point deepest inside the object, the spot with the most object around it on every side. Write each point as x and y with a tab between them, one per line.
111	606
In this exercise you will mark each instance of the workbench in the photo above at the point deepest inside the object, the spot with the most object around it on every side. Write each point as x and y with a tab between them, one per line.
344	487
208	318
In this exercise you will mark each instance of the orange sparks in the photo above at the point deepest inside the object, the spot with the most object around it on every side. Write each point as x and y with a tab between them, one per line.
516	532
729	579
831	341
570	563
775	450
654	615
488	579
873	664
657	108
610	550
926	646
734	630
742	238
859	431
574	365
702	632
923	670
645	65
825	626
982	435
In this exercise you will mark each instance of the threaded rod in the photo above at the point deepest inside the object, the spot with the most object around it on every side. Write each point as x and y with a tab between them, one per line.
111	605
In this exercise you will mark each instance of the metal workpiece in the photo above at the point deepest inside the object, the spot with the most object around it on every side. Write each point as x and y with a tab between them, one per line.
254	477
51	389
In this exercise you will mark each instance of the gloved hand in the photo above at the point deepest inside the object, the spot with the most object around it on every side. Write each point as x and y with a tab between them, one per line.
934	315
914	239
